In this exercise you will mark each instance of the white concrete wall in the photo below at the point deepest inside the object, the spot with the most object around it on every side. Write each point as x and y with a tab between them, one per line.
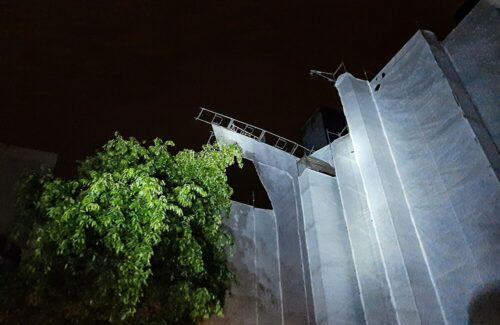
334	283
255	297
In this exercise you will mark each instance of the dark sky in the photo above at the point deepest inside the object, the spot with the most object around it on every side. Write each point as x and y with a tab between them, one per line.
74	72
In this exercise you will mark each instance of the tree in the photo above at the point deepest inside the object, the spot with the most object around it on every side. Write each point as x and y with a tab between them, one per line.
136	237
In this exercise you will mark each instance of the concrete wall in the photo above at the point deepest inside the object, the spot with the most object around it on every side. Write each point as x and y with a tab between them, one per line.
334	284
427	162
408	232
411	289
421	162
370	272
255	297
278	173
445	170
474	48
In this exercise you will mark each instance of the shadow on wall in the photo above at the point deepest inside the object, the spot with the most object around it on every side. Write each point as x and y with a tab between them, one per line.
484	309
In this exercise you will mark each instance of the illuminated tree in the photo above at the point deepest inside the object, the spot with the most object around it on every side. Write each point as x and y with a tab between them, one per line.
136	237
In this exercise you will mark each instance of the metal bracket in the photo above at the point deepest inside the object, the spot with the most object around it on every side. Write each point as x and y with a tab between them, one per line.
330	76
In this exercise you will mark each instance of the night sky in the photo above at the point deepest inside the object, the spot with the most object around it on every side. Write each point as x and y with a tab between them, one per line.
74	72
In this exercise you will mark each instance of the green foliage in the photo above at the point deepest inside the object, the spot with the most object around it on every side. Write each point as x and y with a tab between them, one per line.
136	237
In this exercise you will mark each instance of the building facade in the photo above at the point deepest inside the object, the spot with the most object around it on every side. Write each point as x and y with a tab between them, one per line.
407	231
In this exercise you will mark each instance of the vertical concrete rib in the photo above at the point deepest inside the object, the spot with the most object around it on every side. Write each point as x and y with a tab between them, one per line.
412	291
464	101
280	188
255	297
335	289
369	269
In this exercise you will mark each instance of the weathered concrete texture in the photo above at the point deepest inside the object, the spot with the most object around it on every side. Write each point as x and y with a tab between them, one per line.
408	231
314	131
411	288
335	288
474	48
256	296
14	162
269	283
278	173
449	186
371	276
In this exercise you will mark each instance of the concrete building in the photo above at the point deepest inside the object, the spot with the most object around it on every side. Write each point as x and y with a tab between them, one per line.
408	229
14	162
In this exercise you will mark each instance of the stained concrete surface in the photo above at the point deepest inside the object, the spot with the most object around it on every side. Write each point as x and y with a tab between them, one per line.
255	297
278	173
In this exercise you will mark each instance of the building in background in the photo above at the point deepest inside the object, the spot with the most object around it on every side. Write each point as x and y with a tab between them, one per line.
14	162
322	127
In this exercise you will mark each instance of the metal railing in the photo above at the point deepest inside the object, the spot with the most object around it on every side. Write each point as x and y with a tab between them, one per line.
251	131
